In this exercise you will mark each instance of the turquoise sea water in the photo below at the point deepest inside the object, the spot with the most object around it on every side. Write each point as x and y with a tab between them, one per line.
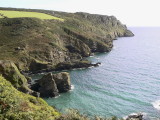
128	81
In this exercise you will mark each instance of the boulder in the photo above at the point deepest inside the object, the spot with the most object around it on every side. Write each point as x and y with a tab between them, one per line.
137	116
46	86
62	81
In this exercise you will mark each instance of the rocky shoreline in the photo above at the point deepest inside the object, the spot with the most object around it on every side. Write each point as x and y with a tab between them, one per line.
31	46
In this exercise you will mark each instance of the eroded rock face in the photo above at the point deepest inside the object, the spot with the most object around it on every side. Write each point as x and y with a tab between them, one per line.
47	86
128	33
11	73
35	66
50	85
62	81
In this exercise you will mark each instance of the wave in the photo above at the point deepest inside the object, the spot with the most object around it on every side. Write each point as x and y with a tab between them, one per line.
72	87
57	96
156	104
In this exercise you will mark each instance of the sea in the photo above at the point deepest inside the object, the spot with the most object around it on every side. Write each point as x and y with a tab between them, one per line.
126	82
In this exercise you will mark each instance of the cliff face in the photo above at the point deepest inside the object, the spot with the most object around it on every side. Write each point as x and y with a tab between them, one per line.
34	44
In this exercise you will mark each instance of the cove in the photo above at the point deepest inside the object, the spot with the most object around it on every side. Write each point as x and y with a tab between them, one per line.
126	82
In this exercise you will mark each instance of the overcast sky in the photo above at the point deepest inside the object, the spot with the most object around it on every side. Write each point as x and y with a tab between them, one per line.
129	12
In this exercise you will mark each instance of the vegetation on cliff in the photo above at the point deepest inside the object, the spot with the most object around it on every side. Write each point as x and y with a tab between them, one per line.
35	44
10	72
15	105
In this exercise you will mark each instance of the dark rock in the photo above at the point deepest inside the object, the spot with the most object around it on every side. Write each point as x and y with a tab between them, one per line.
29	79
50	85
35	94
62	81
75	64
97	64
35	86
138	116
47	86
36	66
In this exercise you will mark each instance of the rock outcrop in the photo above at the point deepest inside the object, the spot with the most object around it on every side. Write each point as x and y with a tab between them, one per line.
50	85
62	81
137	116
46	86
75	64
128	33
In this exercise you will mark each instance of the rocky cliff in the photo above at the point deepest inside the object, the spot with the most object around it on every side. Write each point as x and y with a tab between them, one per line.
37	45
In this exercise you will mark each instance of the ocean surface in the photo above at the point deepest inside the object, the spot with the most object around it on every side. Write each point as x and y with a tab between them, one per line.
128	80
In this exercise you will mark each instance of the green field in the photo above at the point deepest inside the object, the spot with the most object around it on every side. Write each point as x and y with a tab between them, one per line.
18	14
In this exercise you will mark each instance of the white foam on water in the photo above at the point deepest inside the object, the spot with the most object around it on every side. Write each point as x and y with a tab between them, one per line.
91	56
72	87
57	96
156	104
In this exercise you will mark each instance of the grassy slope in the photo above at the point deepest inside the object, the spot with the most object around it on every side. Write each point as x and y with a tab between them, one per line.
15	105
16	14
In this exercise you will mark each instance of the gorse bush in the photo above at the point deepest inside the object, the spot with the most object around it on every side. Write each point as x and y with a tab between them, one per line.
15	105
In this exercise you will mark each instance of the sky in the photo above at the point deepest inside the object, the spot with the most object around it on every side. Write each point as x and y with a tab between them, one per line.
129	12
